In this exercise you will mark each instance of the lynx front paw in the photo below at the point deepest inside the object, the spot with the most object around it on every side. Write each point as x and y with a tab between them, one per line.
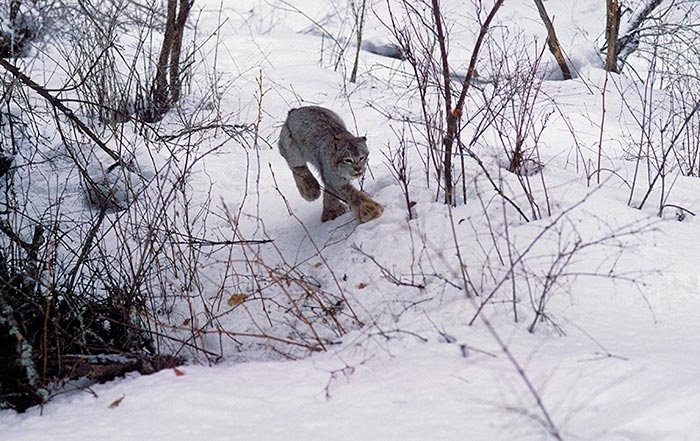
306	183
367	211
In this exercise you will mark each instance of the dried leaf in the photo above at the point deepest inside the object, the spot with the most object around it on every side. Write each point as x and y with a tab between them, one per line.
236	299
178	372
116	402
361	285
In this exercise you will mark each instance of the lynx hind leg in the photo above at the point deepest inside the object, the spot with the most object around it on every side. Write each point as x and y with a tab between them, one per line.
306	183
333	207
364	207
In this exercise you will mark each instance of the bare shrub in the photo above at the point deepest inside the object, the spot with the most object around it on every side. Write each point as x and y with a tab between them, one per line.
58	320
665	109
103	271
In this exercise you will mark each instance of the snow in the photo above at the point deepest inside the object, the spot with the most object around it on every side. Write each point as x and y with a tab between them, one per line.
616	360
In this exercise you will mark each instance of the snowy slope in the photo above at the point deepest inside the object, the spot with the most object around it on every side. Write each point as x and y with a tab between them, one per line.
615	360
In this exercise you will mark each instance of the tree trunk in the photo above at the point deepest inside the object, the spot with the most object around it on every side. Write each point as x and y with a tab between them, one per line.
14	41
164	93
175	80
553	41
612	30
628	43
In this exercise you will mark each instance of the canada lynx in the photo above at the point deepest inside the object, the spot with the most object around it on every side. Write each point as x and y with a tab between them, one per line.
318	136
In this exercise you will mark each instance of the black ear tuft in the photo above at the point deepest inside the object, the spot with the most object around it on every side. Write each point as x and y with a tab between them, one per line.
362	138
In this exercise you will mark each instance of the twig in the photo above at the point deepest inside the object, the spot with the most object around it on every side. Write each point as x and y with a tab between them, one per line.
678	207
58	104
496	188
385	272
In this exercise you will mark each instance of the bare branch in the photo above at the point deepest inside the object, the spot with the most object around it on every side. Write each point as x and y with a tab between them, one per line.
58	104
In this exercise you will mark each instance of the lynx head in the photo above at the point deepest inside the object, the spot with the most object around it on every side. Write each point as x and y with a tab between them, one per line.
351	156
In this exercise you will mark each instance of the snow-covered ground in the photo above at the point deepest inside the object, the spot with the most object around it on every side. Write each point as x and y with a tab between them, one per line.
616	358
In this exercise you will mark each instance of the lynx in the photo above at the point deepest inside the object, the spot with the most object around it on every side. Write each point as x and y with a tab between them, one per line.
318	136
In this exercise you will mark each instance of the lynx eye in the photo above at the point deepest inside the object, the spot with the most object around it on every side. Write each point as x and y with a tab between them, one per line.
348	161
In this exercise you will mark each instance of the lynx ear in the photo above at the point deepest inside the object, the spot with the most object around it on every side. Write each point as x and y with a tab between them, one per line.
362	138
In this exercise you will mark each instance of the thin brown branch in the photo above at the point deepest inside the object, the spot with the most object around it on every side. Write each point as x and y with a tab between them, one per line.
475	55
58	104
452	118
